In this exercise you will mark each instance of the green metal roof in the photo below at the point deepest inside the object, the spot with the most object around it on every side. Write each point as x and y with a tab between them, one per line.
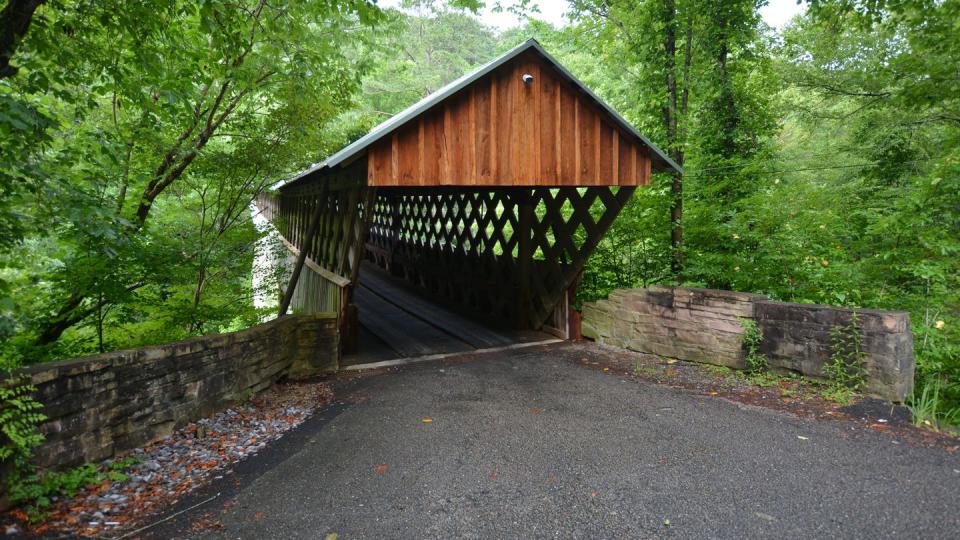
661	162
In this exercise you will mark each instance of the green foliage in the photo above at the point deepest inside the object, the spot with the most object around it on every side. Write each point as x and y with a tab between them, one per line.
752	338
133	143
644	370
34	492
419	51
845	372
19	435
19	420
839	183
246	396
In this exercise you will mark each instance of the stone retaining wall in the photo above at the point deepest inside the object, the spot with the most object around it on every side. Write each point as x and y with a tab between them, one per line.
101	405
704	325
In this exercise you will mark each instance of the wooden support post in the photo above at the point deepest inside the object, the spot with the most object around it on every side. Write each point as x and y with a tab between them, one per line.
573	316
369	198
524	256
304	252
359	228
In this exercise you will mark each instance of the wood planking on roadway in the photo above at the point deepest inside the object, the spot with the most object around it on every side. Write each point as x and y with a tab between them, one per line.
464	329
404	333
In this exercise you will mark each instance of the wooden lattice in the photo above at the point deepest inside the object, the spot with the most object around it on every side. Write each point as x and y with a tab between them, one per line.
335	251
506	254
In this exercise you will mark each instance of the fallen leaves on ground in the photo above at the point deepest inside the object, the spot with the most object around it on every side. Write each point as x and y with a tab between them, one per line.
159	475
207	522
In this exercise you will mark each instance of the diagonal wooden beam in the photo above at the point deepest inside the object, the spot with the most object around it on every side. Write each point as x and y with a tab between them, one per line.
304	252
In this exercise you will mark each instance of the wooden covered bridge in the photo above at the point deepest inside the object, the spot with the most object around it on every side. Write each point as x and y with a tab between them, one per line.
463	222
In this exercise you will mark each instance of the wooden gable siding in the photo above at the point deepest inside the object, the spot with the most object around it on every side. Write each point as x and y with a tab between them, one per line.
499	131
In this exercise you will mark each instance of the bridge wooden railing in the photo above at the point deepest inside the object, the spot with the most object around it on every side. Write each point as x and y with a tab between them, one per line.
336	211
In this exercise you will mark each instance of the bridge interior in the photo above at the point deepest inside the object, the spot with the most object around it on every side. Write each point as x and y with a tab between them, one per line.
397	320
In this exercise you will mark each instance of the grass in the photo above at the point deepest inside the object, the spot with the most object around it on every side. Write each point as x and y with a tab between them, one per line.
720	370
641	369
927	407
764	379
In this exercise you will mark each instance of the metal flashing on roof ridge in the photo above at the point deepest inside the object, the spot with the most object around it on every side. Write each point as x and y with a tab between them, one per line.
352	150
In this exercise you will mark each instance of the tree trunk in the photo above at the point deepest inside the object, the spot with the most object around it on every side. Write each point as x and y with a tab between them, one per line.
63	320
100	316
15	20
676	226
72	313
671	113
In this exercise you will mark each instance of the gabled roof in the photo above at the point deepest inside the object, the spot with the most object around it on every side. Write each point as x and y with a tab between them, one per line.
661	162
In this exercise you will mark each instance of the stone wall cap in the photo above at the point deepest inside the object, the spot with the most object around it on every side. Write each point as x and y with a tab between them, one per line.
711	293
149	353
860	311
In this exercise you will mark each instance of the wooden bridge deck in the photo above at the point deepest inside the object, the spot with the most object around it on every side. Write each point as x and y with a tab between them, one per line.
398	322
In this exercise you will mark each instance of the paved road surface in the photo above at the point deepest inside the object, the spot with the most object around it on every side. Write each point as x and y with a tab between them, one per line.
528	444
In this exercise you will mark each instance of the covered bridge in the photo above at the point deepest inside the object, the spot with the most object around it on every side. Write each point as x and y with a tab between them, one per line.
464	221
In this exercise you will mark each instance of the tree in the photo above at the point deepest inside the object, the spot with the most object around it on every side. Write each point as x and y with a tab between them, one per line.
657	38
419	50
880	89
690	65
141	99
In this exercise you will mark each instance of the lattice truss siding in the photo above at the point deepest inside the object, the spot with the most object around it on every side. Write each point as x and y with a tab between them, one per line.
507	254
335	252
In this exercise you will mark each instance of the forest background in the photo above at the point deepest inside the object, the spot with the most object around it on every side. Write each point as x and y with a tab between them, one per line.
822	159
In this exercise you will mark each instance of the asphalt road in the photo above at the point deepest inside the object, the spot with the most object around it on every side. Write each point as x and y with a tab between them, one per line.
529	444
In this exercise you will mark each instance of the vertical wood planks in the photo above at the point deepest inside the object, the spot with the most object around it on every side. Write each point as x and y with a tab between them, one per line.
507	131
627	164
586	175
568	138
500	131
526	133
643	178
432	150
548	116
407	155
484	136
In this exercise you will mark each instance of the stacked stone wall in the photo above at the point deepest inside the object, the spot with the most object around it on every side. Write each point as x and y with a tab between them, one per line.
705	325
101	405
